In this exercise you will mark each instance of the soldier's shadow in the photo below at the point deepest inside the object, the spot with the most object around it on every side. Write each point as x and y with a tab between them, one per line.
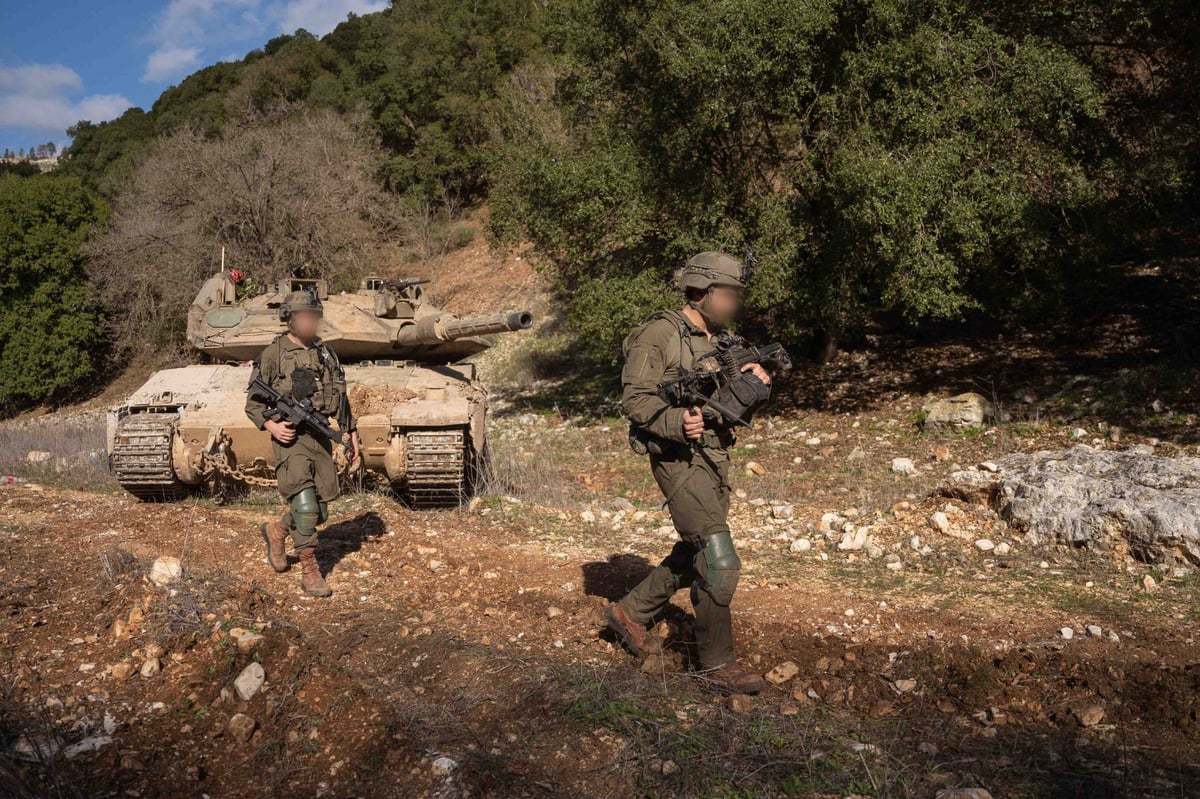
614	577
340	539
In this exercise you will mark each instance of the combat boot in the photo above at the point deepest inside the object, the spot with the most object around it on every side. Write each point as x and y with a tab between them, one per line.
733	679
635	636
310	574
275	536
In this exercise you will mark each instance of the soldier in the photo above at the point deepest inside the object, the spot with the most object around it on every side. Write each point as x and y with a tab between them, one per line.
689	457
298	363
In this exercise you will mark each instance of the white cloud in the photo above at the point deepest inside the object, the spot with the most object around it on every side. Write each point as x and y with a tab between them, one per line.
167	62
318	17
43	97
38	78
187	33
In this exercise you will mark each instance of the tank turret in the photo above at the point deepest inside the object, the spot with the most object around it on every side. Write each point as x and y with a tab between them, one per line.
421	411
383	320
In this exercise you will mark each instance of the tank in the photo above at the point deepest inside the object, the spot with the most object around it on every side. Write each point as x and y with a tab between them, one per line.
421	408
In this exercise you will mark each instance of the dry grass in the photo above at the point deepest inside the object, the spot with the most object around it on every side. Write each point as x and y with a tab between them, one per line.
67	451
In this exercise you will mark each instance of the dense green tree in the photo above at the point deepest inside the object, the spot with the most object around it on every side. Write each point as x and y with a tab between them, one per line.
904	156
50	324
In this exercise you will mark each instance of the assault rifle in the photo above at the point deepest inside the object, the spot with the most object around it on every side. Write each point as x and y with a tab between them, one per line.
299	412
695	388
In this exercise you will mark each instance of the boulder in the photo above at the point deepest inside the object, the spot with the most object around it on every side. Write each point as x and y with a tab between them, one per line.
1100	499
958	412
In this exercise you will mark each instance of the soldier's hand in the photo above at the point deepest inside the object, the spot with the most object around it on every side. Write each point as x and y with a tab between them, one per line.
693	424
283	432
355	446
759	372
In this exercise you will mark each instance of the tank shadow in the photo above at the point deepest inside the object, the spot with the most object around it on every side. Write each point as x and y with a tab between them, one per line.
338	540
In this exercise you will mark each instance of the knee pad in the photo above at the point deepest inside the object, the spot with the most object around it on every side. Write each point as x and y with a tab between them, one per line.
724	567
306	511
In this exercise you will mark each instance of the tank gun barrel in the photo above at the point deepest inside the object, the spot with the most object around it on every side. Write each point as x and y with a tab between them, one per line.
447	327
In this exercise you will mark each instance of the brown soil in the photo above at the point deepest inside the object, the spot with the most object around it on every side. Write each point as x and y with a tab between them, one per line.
367	401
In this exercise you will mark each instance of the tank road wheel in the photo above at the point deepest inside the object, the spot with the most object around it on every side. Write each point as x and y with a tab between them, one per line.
436	468
141	457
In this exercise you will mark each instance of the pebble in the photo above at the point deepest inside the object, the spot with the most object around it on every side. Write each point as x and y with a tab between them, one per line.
755	468
154	650
669	767
963	793
122	670
985	545
249	681
904	466
444	765
782	673
989	466
1094	630
1067	633
241	727
165	571
782	511
151	667
553	612
740	703
587	516
813	442
1149	584
857	454
801	545
435	565
248	642
940	522
1003	548
1078	433
895	565
853	539
1090	716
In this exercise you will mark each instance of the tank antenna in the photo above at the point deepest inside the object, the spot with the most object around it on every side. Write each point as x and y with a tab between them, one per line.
222	258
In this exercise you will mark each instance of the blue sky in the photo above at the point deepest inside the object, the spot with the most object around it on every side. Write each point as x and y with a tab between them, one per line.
67	60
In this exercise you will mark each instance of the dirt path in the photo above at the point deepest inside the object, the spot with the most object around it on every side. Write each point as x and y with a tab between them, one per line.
472	636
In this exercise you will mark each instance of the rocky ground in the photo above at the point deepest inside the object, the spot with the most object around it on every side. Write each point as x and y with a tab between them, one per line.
915	642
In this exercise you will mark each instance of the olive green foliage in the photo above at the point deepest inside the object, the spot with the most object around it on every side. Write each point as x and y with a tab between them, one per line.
50	325
875	155
425	70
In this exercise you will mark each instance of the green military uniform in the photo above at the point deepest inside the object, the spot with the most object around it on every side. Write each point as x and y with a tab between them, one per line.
693	478
304	469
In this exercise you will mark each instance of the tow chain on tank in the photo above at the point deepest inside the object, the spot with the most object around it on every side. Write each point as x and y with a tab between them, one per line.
436	468
220	463
141	455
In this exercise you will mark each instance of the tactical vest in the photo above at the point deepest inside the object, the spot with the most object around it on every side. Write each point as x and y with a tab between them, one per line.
313	369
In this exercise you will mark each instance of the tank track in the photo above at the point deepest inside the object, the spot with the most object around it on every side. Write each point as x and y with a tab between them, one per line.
436	473
141	456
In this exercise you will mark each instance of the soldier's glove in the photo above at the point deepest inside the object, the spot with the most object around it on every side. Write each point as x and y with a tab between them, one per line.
742	396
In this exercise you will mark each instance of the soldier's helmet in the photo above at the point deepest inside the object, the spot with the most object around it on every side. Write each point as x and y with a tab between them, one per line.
299	301
710	269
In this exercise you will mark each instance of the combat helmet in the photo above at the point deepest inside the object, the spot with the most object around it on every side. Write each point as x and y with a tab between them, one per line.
299	301
710	269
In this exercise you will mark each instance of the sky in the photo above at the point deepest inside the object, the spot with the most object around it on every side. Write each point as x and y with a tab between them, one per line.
68	60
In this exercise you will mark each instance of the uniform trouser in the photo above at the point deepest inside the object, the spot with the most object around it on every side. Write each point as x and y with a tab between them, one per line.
305	464
698	498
